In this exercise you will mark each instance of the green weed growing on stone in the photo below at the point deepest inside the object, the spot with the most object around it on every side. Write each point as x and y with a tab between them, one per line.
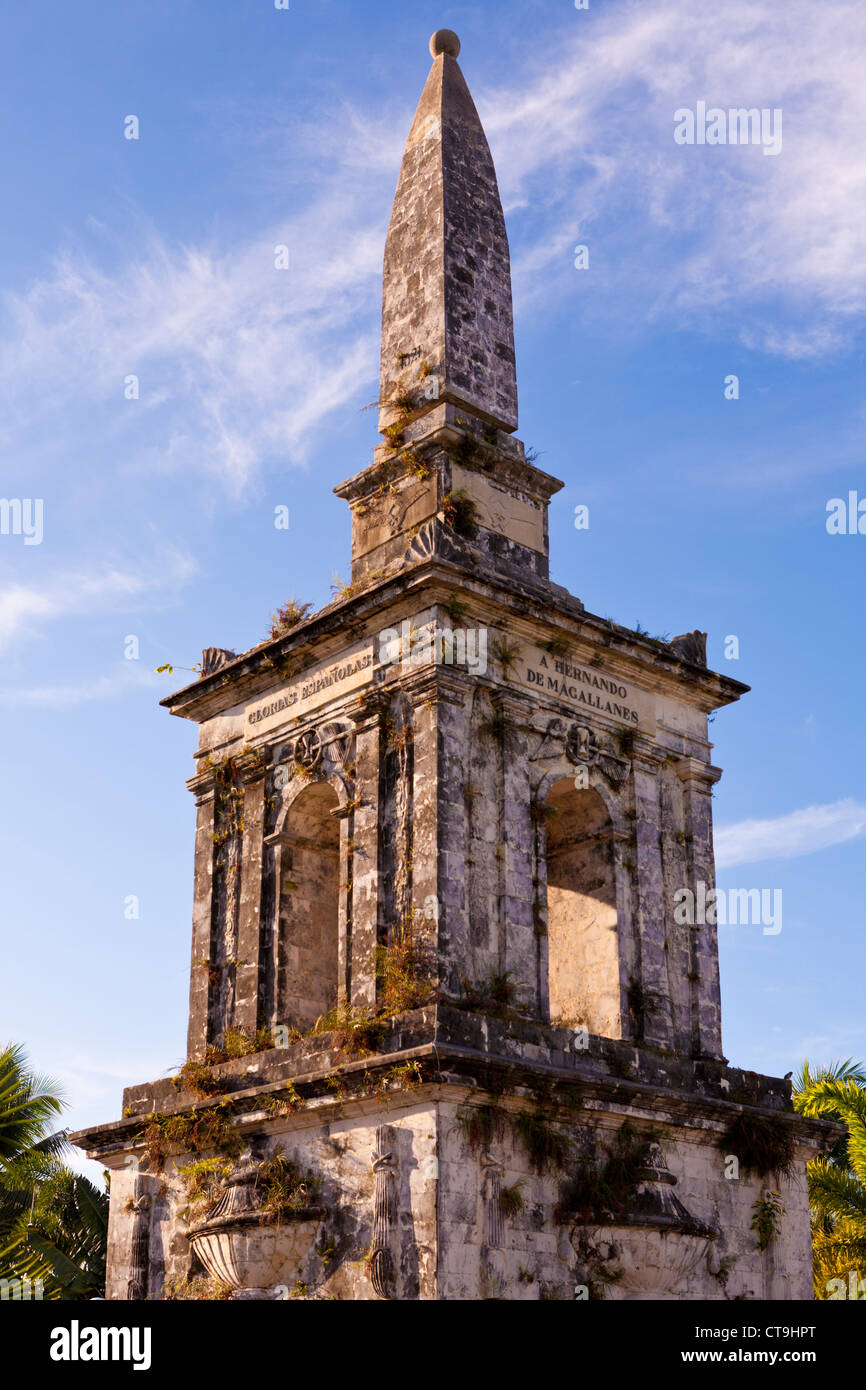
289	616
506	653
285	1187
605	1184
460	513
763	1144
197	1131
767	1218
511	1199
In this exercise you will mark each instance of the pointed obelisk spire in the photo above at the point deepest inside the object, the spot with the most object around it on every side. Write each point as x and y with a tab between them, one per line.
446	304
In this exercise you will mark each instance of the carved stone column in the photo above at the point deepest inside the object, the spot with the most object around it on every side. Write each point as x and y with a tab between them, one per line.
397	812
422	691
453	725
492	1253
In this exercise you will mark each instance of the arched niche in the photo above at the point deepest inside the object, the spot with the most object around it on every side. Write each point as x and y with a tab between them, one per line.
307	939
583	940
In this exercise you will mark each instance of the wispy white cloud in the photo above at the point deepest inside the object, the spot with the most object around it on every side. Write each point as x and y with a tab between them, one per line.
241	364
130	676
792	835
237	360
25	608
583	138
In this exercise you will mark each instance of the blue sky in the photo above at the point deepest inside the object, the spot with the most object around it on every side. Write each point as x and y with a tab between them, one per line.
155	257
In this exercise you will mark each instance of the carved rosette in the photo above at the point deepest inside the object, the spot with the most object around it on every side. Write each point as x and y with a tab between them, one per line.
325	750
308	750
583	747
384	1213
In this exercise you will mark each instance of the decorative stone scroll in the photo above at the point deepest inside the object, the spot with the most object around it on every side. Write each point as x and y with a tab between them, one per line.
215	658
491	1193
139	1255
384	1212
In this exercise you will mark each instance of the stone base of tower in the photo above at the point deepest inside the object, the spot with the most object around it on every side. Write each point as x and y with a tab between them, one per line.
460	1164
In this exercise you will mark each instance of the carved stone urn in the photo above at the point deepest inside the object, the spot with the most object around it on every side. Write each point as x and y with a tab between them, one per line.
260	1254
646	1252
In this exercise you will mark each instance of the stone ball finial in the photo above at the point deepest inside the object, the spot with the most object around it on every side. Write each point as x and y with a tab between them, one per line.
445	41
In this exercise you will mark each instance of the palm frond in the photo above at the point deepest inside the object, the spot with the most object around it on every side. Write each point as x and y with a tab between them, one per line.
849	1070
19	1261
63	1242
28	1103
836	1256
841	1100
836	1194
837	1182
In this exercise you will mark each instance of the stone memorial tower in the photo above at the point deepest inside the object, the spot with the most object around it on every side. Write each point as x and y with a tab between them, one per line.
452	1034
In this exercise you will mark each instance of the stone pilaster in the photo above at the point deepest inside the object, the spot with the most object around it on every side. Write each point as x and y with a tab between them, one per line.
698	779
361	966
247	1008
650	922
453	722
384	1213
518	946
421	689
345	921
679	936
134	1261
202	914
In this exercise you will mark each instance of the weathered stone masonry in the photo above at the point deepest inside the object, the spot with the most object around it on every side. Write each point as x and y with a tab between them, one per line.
518	820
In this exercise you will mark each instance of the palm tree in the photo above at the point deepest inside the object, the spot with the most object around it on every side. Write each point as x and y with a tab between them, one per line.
837	1183
61	1241
53	1222
28	1103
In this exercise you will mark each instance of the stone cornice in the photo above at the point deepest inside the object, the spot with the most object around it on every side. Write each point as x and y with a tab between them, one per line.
462	1049
541	605
430	438
602	1092
693	770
